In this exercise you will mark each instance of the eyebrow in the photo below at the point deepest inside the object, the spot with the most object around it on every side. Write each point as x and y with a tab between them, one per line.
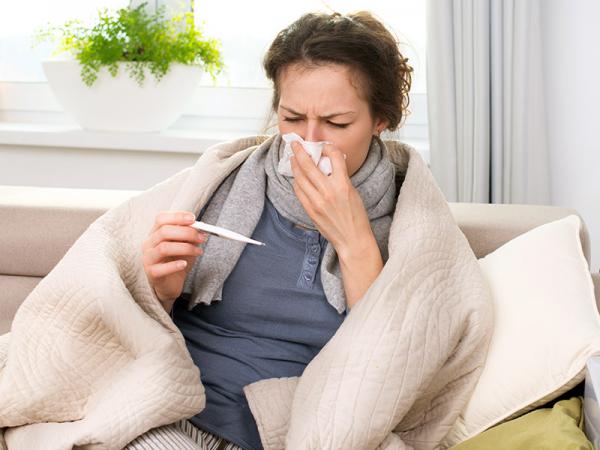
328	116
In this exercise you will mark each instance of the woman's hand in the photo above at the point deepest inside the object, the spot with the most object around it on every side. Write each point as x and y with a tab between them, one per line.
171	242
332	203
337	210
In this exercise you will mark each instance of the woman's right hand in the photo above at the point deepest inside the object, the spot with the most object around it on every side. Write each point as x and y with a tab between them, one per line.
170	242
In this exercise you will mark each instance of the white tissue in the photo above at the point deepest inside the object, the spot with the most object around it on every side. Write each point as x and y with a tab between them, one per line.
314	149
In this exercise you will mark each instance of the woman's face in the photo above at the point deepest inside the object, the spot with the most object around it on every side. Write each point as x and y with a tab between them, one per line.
322	104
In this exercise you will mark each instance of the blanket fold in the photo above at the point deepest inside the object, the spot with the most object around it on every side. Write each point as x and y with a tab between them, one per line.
93	360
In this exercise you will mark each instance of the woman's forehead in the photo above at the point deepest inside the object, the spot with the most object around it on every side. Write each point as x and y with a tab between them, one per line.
334	84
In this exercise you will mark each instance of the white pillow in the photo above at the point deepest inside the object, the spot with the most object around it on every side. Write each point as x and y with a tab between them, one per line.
546	326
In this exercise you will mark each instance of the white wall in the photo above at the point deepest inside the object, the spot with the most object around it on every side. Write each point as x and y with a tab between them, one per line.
88	167
571	37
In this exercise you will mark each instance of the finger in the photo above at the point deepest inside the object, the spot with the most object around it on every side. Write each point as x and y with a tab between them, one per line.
310	191
181	233
309	168
304	200
160	270
167	251
338	161
172	217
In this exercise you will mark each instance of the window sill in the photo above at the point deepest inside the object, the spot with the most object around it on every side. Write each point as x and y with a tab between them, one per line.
72	136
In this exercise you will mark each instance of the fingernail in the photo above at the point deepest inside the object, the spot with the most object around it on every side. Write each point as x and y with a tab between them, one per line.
189	217
344	156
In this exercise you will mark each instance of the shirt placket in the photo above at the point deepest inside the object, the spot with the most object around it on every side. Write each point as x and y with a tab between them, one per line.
310	261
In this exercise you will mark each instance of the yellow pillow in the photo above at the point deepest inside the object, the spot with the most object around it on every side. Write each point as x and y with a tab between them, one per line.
559	427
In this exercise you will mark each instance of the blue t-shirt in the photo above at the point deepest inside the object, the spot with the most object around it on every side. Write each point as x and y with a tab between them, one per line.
271	322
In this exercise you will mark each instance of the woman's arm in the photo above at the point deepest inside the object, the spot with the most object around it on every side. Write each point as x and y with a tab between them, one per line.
360	264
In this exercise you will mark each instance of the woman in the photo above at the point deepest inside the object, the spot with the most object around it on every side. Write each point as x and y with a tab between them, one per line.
337	78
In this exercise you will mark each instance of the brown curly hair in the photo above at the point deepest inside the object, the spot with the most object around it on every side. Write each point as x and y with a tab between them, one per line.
358	41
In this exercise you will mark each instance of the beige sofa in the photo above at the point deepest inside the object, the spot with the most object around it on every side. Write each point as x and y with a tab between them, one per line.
38	225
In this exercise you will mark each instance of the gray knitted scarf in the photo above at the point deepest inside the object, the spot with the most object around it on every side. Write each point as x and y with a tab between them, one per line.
238	202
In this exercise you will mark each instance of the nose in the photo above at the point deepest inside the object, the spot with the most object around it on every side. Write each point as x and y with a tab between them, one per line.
313	132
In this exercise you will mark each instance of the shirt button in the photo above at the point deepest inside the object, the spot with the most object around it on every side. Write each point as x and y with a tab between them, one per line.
307	276
314	249
312	260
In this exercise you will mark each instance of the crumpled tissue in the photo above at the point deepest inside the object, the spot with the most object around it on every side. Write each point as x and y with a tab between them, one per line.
314	149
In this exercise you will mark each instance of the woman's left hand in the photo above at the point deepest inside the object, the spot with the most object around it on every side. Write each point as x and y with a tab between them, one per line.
332	203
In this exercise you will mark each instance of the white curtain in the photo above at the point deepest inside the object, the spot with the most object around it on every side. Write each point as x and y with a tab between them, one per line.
485	101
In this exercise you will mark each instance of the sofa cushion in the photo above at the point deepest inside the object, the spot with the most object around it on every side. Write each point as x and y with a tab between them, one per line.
546	325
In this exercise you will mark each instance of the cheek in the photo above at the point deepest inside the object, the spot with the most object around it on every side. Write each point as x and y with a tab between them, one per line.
351	142
284	127
356	146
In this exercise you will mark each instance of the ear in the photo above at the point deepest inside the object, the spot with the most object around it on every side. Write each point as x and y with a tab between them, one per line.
379	126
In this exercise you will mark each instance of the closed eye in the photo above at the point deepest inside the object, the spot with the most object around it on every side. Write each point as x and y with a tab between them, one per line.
337	125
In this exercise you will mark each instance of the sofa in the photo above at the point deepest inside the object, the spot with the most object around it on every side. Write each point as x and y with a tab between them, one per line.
39	224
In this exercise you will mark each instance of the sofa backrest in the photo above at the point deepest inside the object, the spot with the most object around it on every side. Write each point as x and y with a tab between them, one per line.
39	224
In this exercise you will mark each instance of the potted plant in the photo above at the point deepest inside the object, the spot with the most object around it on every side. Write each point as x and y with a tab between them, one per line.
132	70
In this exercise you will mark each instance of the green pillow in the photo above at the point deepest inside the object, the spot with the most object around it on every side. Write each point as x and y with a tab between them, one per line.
559	427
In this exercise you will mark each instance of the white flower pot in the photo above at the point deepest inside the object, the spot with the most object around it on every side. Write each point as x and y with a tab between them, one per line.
119	103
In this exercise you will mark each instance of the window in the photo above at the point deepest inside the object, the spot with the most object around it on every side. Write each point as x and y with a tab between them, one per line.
246	35
18	20
245	30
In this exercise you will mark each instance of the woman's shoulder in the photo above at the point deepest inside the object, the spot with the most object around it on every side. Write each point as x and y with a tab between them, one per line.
399	153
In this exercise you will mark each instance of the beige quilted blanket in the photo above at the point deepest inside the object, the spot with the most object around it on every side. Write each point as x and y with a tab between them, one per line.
93	360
